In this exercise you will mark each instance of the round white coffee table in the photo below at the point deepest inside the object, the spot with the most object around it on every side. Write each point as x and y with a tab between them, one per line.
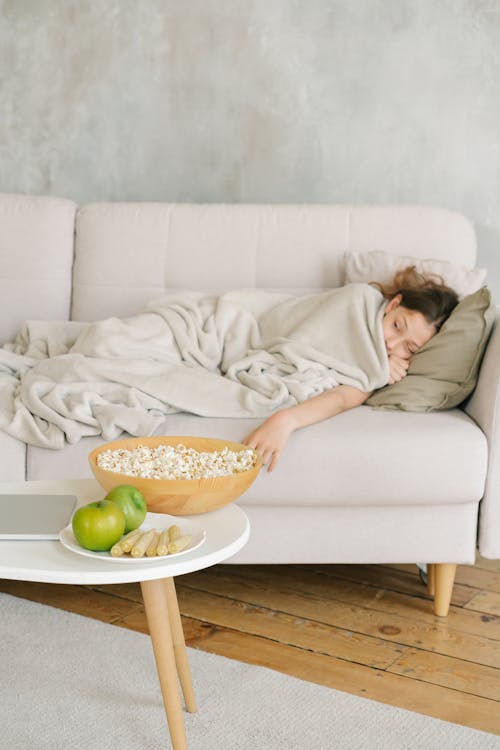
227	531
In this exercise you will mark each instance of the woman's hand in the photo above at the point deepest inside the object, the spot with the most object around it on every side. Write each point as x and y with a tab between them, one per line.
269	439
398	368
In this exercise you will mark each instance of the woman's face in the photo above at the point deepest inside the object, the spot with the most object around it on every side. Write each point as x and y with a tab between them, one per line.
405	331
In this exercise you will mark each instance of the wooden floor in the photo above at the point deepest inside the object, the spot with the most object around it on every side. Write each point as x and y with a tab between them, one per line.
363	629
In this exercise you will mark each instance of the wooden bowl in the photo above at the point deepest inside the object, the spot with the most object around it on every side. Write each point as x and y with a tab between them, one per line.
178	497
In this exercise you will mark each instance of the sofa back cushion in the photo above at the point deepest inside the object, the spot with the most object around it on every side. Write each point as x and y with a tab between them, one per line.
36	257
129	253
382	267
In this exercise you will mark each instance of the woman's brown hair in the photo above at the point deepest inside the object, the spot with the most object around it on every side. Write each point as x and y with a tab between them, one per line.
427	294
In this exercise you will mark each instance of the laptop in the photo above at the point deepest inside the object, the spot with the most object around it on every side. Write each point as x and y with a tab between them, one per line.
34	516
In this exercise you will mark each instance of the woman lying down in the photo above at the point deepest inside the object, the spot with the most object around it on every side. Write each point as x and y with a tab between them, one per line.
416	309
253	353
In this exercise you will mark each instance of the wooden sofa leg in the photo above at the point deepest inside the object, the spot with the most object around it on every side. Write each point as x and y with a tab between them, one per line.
444	576
431	572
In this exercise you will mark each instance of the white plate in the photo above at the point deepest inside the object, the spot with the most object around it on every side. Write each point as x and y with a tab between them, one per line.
159	521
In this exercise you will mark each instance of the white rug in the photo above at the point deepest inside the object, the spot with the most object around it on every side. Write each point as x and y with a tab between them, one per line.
71	682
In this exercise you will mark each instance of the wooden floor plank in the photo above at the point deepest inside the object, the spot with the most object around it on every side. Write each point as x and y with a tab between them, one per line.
393	578
438	636
78	599
466	575
483	563
308	581
279	627
485	601
446	671
130	591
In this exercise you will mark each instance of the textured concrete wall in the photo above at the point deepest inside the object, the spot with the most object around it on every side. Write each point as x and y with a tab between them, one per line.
256	100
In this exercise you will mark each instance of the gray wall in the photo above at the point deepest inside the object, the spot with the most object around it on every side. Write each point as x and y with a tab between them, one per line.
256	100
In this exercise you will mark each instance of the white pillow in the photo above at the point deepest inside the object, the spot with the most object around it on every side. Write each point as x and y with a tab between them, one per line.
380	266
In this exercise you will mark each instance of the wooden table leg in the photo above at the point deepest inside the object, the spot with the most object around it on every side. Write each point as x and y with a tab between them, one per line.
155	602
181	657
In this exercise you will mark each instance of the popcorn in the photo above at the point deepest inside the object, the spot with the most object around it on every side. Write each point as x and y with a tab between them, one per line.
176	462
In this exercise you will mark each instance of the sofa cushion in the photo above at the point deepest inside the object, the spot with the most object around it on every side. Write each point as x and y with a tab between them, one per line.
36	258
444	372
396	458
13	454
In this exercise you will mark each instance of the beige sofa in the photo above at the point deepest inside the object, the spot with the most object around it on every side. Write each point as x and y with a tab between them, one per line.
369	486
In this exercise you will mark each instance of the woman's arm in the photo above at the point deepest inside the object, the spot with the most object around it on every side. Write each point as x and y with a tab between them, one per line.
269	439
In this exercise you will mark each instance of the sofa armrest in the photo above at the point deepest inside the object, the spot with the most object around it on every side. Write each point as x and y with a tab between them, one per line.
484	408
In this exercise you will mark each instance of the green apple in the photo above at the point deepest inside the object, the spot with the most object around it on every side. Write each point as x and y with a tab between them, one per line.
97	526
132	503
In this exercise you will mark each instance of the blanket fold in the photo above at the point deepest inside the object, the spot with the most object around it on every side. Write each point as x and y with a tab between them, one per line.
241	354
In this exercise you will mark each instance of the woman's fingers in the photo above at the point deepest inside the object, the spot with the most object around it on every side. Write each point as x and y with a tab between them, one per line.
398	368
262	451
250	441
274	460
267	455
268	441
265	452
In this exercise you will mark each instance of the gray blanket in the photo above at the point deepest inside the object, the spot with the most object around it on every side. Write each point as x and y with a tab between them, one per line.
240	354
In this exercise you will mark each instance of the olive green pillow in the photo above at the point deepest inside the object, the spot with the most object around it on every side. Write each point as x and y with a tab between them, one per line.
444	372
